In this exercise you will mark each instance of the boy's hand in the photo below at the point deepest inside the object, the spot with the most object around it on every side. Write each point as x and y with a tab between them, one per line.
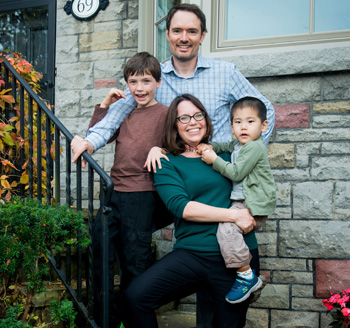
113	95
79	145
202	147
153	158
209	156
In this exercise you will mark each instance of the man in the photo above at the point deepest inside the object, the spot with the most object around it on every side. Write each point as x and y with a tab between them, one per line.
216	83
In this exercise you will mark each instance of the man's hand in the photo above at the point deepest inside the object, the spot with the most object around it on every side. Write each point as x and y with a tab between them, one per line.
79	145
113	95
153	158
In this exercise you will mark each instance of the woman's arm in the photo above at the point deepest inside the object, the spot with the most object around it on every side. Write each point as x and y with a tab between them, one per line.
198	212
171	188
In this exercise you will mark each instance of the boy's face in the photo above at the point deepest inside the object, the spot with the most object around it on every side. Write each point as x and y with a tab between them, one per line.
143	89
246	125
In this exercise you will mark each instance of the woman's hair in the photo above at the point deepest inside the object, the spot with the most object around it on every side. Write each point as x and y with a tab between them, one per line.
171	140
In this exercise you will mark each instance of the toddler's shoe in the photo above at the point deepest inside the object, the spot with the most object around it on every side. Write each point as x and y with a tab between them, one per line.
242	288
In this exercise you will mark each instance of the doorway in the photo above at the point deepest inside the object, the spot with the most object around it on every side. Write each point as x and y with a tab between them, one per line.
29	27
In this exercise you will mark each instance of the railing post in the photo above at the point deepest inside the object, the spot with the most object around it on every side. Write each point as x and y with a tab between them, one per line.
105	265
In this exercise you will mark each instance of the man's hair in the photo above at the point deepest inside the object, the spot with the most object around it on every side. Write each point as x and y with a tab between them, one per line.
171	140
190	8
251	102
142	63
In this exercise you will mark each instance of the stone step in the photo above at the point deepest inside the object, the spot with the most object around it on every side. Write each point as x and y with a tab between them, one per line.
175	319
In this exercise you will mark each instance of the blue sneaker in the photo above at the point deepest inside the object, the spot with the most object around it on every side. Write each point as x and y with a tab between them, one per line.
242	288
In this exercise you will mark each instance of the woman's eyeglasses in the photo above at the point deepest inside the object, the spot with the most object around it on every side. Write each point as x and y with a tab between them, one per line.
187	118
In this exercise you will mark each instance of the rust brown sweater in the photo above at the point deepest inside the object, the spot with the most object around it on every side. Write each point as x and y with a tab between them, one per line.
141	130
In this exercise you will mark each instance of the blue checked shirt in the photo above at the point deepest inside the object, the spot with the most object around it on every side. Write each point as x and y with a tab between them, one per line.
217	84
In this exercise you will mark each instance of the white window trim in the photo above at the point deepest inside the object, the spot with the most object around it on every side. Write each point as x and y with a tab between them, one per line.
218	28
281	59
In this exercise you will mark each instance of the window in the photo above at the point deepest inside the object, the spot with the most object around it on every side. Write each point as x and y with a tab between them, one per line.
161	46
252	23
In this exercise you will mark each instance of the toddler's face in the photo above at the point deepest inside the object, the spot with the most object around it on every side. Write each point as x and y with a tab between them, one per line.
246	125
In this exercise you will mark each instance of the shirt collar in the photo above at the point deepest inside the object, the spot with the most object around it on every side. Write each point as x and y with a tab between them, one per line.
168	66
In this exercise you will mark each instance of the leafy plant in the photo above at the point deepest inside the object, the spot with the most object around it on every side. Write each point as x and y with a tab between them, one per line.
12	173
340	303
31	232
63	312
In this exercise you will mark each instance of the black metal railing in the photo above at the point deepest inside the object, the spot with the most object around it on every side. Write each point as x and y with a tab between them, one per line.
35	114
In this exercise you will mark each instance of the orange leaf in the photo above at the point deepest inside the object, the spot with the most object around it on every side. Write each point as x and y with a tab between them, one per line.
8	196
8	98
8	163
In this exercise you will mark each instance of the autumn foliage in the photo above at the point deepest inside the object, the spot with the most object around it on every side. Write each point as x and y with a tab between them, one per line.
13	173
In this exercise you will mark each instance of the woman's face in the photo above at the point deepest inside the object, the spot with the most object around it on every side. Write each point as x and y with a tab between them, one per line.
193	132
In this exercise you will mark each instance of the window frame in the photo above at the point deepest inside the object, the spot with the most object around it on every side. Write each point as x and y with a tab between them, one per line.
218	28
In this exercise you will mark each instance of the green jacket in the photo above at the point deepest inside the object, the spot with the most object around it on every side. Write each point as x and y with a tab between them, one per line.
253	167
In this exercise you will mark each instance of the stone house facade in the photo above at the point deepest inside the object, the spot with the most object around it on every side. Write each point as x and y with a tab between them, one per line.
304	245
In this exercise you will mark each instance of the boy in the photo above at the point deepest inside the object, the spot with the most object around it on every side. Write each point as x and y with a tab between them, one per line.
253	188
134	198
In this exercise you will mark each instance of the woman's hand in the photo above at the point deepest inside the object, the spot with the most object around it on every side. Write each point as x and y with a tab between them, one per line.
244	220
153	158
113	95
78	146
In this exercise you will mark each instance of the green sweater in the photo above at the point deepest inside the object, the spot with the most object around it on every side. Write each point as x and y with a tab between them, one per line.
182	180
253	167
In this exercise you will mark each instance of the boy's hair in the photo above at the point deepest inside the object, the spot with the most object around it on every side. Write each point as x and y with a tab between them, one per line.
252	102
143	63
190	8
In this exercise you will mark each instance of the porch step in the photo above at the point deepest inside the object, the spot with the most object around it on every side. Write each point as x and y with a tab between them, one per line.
175	319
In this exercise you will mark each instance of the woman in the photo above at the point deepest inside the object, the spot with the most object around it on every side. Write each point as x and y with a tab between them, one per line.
199	199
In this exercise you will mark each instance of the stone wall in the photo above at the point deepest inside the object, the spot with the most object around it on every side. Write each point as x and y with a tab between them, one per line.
90	57
304	245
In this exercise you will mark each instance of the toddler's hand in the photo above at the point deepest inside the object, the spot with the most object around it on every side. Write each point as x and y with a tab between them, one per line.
209	156
202	147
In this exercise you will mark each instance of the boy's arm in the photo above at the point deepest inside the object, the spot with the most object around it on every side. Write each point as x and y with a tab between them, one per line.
244	164
102	132
101	110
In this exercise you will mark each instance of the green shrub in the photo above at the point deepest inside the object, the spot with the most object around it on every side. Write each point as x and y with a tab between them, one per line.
31	232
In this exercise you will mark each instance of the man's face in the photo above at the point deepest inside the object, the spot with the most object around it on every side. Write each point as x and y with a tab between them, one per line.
184	35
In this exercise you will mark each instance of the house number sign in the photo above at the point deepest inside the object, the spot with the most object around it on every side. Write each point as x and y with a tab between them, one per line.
85	9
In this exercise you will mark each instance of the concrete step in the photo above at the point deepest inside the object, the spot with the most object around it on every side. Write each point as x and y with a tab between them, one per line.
175	319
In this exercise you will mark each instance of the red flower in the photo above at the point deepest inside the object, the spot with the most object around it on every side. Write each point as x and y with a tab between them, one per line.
342	301
334	298
346	312
328	305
